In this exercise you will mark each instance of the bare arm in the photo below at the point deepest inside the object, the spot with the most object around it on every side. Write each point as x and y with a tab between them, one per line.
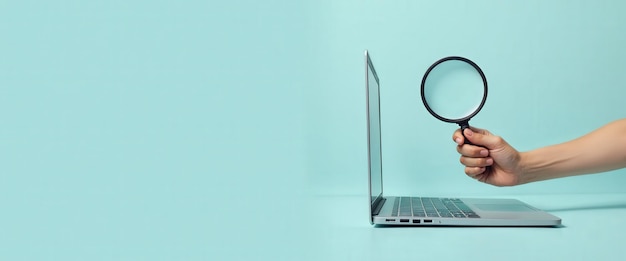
601	150
492	160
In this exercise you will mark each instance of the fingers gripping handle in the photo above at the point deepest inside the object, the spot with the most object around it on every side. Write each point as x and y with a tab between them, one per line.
464	125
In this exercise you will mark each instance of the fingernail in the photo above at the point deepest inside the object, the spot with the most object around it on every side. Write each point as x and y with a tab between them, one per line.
489	161
484	152
457	140
469	132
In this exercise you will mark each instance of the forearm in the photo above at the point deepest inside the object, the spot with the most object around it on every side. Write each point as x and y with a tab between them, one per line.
601	150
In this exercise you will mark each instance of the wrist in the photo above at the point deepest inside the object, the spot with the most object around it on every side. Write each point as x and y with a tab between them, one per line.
524	169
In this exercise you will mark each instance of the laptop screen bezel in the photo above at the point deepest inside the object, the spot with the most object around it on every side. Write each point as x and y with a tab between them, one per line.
373	204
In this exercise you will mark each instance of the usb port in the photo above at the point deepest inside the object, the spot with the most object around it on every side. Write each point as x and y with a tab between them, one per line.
390	220
416	221
404	220
428	221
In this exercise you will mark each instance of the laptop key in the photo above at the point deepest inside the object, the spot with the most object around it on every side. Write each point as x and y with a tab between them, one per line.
405	206
404	212
396	204
432	214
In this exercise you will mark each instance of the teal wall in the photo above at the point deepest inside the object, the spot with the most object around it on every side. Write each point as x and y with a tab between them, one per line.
555	70
134	129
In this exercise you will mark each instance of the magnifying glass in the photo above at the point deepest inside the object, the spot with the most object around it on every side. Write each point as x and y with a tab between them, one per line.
454	89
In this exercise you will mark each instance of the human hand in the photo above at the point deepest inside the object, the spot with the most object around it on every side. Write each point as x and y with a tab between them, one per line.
489	159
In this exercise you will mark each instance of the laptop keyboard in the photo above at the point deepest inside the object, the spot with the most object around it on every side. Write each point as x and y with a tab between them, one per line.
431	207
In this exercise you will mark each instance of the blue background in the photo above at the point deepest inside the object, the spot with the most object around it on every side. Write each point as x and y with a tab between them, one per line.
140	129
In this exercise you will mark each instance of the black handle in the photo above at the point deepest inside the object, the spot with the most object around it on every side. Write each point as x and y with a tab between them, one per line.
464	125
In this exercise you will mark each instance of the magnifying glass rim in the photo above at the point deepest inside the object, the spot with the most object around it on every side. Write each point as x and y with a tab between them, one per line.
457	58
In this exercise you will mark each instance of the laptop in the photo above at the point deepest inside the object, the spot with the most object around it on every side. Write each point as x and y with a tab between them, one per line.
433	211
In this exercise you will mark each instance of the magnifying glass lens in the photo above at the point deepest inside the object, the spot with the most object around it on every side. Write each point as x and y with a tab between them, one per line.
454	90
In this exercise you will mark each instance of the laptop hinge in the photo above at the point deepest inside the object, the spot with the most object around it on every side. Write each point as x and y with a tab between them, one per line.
378	206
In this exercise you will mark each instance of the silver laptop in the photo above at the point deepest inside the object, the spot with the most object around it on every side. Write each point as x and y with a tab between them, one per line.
433	211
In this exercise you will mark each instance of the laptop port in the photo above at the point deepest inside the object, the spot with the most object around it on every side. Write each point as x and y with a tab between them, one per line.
428	221
390	220
404	220
416	221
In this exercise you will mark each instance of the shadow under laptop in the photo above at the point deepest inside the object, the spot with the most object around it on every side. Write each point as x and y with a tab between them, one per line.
453	227
589	207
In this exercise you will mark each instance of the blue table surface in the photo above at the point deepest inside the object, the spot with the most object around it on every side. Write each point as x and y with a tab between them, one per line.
304	227
593	228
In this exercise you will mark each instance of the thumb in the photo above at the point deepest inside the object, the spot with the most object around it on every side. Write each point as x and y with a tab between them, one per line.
484	139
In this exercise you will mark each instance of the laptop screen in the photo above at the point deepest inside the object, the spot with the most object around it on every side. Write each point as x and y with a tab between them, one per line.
373	131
